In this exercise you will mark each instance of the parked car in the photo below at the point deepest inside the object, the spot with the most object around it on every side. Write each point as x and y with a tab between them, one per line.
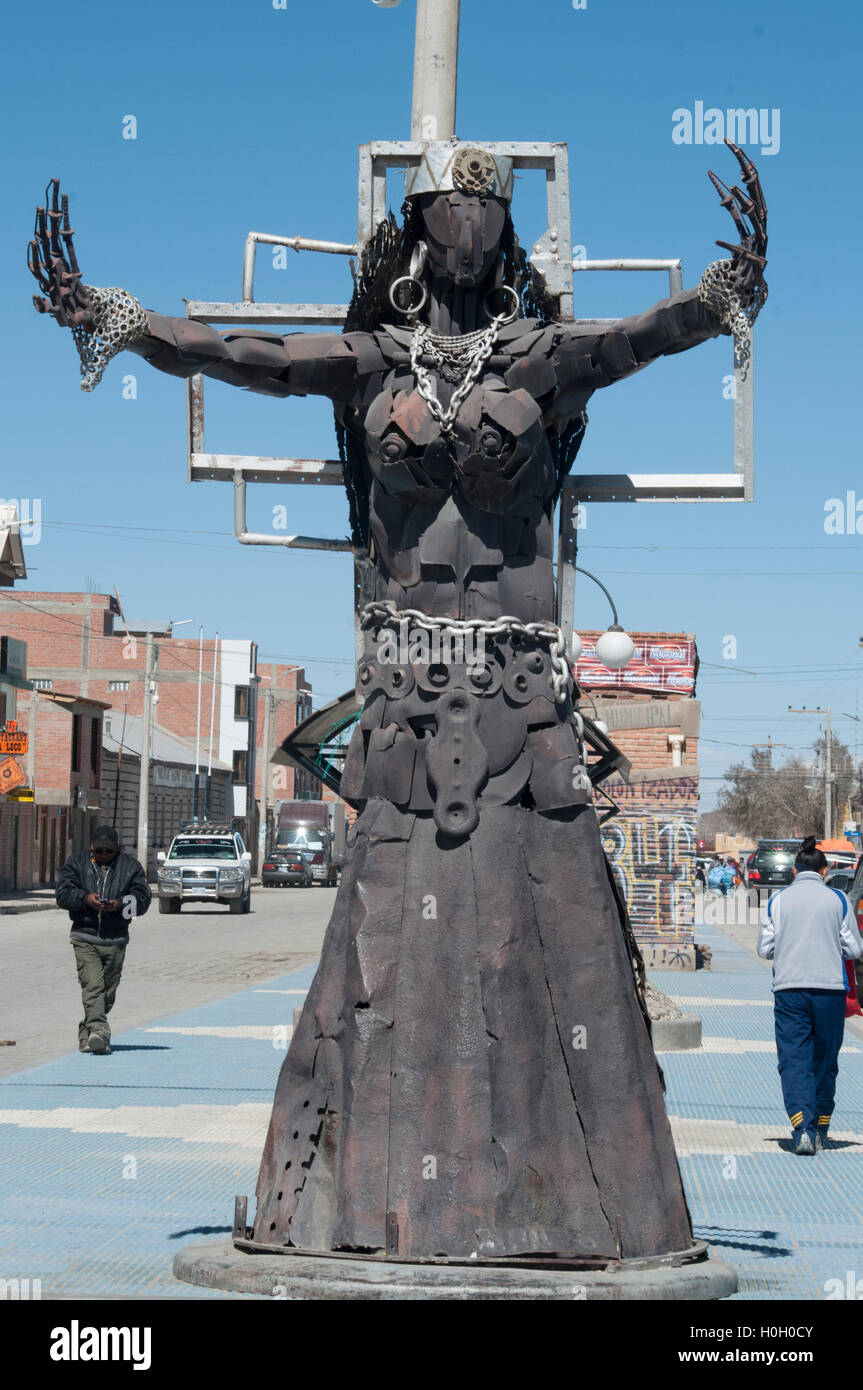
286	869
839	859
747	865
206	863
850	881
772	864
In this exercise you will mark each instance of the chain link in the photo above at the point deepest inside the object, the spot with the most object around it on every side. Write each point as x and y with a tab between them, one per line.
736	308
118	320
384	612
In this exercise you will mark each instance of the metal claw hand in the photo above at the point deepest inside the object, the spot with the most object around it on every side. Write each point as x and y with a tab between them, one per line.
749	213
51	259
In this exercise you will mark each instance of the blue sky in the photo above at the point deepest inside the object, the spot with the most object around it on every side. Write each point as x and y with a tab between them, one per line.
249	116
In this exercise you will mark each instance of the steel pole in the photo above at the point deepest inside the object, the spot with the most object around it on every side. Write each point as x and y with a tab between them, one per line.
212	724
144	785
265	770
198	721
435	70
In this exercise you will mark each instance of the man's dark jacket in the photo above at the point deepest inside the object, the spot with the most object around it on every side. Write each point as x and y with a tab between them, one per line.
125	880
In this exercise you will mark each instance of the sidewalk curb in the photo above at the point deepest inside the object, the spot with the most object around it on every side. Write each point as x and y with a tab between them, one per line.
12	909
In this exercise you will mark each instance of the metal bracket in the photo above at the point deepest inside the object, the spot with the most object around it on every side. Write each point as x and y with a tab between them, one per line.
240	1230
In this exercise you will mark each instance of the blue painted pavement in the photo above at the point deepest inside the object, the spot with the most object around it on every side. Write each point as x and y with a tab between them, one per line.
787	1224
110	1163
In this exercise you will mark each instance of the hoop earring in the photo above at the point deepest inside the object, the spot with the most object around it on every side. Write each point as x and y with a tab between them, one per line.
505	318
414	309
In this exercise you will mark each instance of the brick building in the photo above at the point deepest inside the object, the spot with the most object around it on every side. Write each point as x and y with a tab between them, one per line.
651	714
207	691
17	817
63	764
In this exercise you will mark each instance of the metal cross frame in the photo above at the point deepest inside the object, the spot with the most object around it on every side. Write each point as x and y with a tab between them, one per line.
551	255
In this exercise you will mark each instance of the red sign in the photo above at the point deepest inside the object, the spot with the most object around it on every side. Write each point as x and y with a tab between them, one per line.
664	665
11	775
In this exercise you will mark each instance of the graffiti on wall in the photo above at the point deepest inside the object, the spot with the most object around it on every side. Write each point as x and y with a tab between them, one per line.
650	847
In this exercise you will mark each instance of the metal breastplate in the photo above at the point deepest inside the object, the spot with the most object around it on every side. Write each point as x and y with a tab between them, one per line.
497	448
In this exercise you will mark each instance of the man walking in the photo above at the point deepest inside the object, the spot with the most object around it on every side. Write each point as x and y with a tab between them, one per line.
807	930
102	890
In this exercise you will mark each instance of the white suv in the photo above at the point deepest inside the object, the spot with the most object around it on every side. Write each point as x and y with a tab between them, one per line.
205	864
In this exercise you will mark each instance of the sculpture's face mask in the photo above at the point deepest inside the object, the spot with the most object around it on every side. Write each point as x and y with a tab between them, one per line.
463	232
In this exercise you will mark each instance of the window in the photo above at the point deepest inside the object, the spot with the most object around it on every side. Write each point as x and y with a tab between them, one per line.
76	742
43	685
95	741
118	685
192	848
241	763
2	709
241	702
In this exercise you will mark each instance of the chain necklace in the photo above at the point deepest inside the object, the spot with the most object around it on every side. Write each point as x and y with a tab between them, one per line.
467	353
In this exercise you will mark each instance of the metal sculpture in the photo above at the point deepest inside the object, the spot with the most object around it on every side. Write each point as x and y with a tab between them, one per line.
472	1077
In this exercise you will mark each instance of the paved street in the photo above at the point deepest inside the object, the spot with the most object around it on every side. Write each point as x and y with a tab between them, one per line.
110	1163
172	963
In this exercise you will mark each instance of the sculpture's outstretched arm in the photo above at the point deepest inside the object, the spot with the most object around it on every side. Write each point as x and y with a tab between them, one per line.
727	300
105	321
294	364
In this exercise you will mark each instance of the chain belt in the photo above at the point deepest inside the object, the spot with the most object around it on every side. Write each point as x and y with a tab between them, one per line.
384	612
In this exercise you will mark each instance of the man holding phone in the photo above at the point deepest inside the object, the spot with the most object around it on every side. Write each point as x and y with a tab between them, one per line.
102	889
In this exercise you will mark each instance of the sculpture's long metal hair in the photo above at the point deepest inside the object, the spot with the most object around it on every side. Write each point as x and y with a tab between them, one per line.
388	256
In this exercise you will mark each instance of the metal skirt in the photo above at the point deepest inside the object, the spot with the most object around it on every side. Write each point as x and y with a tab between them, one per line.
472	1074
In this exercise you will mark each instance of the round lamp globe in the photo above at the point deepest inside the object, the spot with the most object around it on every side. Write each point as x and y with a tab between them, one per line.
615	648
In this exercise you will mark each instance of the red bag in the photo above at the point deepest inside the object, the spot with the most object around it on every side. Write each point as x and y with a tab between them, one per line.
852	1008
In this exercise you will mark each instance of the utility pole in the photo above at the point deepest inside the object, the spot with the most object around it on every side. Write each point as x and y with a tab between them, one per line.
146	721
198	723
265	770
828	779
212	727
828	766
770	745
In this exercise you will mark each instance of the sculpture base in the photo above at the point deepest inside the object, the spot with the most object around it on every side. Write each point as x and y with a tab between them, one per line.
219	1265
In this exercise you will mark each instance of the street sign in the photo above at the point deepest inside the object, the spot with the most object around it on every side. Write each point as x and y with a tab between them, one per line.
11	741
12	775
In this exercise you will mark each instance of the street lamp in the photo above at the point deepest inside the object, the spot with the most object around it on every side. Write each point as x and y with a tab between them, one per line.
615	647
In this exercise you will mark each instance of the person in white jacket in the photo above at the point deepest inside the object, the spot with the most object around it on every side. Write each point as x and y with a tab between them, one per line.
807	931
